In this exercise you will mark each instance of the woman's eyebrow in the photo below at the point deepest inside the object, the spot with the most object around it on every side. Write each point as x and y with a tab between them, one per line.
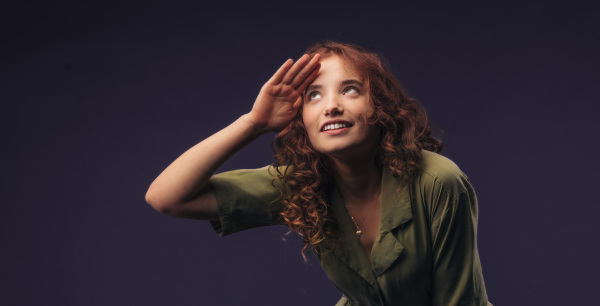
351	82
313	87
342	83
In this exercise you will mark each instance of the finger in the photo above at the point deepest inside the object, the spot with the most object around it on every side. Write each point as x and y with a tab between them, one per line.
306	71
298	103
280	73
291	74
309	79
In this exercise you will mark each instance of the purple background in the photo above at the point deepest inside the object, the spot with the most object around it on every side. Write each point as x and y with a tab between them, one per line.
98	98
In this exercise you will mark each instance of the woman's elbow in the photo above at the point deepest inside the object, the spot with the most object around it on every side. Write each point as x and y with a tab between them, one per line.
203	206
154	199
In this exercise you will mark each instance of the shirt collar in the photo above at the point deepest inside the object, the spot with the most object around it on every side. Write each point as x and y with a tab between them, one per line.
395	211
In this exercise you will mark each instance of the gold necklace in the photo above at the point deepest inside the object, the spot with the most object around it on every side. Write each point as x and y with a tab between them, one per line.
358	231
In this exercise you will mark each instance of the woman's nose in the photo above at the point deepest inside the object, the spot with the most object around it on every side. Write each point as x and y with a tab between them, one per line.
333	107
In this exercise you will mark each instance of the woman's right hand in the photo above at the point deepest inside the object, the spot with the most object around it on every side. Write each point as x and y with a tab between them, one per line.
182	189
281	97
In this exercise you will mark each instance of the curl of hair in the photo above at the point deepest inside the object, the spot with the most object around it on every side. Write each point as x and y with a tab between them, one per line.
403	129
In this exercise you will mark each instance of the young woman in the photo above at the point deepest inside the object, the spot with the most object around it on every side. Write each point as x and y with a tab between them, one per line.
357	175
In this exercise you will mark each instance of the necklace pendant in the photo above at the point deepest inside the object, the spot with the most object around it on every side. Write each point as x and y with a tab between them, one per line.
359	232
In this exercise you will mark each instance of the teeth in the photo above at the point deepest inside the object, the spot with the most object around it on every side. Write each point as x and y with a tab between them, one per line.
334	126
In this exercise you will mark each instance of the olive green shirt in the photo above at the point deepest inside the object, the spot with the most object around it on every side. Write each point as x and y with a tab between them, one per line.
426	250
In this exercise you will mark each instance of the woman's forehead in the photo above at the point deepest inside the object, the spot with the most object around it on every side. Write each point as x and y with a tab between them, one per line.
334	66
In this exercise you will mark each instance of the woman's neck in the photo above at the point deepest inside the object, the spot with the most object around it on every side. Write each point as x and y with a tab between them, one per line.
357	182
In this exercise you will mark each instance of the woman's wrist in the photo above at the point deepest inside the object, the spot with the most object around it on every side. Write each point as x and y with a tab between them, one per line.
255	129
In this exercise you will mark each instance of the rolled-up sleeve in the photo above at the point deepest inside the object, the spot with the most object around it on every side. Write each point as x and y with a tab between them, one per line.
247	198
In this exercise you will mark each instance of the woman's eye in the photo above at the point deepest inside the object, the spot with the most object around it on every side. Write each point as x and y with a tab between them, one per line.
313	95
351	91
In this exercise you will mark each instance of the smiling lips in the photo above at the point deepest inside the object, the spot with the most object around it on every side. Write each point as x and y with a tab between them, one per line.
334	127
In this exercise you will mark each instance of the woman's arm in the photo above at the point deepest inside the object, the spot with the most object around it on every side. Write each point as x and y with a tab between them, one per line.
457	275
181	190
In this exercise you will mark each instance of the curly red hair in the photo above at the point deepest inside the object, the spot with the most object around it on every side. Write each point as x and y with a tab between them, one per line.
404	133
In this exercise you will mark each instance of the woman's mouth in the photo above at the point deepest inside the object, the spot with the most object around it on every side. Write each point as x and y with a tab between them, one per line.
335	126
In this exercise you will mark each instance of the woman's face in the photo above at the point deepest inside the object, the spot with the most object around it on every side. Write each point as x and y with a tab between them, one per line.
335	109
